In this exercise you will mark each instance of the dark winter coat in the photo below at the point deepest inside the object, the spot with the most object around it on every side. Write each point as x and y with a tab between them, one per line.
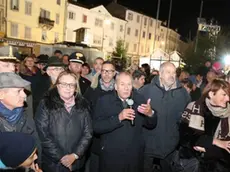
169	106
84	84
61	132
24	125
92	95
214	158
122	145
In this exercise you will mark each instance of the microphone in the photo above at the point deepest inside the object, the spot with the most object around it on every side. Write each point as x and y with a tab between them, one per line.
130	103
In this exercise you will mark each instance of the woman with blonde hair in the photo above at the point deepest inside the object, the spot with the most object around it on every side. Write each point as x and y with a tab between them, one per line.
64	126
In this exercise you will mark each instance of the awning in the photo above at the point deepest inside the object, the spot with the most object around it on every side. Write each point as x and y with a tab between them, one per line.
20	43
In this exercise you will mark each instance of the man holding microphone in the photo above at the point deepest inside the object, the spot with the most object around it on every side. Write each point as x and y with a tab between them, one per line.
119	118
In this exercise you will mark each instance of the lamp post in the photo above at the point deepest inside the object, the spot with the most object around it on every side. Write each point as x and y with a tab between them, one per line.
168	26
197	33
105	22
157	18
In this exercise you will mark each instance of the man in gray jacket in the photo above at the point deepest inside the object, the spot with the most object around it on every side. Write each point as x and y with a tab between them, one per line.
169	99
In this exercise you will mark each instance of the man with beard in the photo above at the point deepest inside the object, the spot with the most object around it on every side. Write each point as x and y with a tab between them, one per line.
101	85
118	119
169	99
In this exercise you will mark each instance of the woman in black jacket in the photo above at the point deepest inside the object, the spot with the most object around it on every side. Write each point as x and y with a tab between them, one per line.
205	129
64	126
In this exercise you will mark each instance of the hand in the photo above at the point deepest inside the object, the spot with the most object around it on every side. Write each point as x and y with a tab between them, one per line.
146	109
128	114
222	144
199	149
35	167
68	160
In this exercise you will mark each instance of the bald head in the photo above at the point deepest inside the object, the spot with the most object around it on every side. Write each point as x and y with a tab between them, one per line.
123	85
166	65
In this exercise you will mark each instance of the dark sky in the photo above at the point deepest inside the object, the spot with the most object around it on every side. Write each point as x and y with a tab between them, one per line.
184	12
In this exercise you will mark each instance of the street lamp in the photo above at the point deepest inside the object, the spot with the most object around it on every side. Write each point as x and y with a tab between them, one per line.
227	59
105	22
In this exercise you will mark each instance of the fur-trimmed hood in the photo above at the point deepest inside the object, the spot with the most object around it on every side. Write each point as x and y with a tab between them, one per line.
52	100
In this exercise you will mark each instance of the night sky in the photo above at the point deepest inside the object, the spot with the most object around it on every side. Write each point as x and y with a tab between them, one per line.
184	12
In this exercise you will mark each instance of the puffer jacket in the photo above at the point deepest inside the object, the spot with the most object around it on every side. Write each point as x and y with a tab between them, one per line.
61	132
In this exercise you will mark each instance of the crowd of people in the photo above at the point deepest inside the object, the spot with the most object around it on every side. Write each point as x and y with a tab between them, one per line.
59	114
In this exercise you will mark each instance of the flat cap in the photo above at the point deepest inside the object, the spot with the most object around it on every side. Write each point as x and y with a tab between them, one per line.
12	80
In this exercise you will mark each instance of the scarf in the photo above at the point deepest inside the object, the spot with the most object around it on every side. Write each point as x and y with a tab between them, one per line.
110	87
11	116
194	117
69	103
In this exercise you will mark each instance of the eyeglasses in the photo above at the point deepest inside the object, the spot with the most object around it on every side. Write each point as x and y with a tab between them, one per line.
67	85
56	69
107	71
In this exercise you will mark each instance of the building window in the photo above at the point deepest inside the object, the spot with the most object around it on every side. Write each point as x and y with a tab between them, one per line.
44	35
98	22
143	34
14	5
145	21
127	46
2	2
45	14
128	31
130	16
14	29
112	26
111	42
142	48
134	47
27	33
1	19
147	50
57	18
136	32
97	39
151	22
150	36
56	37
28	8
138	19
121	28
71	15
59	2
84	18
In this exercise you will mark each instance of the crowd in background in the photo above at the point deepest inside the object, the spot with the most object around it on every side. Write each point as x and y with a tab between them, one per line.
59	114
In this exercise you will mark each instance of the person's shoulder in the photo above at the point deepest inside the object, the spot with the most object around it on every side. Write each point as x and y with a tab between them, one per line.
108	96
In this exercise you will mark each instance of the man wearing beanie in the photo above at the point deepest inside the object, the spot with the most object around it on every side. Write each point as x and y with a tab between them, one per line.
17	150
13	117
76	60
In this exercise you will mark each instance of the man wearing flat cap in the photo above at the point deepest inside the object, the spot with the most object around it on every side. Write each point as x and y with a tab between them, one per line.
13	117
8	64
76	60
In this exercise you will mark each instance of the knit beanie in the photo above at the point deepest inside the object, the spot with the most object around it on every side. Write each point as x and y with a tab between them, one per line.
15	148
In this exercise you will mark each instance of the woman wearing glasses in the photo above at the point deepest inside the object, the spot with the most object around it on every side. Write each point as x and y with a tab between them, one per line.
64	126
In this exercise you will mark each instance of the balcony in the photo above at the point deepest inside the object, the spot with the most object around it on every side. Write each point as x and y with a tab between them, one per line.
46	23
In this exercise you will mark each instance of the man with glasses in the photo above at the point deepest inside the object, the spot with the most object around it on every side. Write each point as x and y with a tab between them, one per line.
101	85
76	60
53	68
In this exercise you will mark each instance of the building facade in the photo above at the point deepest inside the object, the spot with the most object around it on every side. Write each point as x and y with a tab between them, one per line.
29	22
2	19
95	27
140	31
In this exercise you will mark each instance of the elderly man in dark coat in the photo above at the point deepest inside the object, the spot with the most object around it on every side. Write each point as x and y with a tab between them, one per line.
119	118
169	99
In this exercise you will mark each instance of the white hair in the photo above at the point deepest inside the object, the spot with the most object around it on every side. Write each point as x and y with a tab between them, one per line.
164	65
